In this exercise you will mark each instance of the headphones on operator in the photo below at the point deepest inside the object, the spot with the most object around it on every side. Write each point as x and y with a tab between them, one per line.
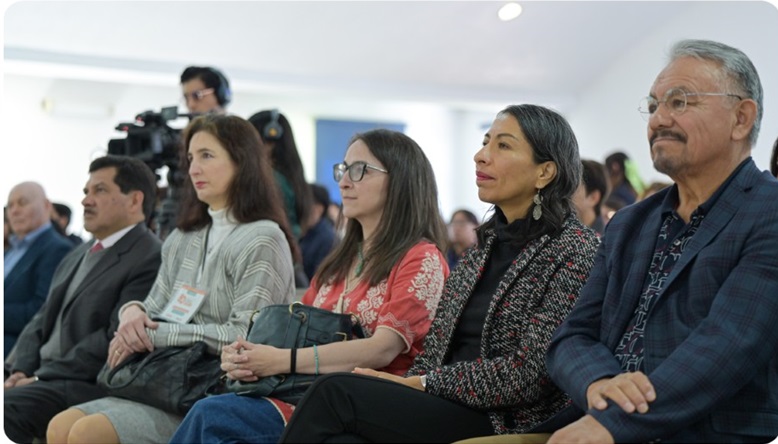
273	129
223	93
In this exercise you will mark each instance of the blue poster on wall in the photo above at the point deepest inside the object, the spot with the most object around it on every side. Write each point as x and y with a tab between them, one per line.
332	137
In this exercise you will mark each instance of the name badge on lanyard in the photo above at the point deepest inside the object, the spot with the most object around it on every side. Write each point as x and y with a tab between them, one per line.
181	308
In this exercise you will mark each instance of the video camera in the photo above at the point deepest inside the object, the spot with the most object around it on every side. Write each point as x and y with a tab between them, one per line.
153	141
150	139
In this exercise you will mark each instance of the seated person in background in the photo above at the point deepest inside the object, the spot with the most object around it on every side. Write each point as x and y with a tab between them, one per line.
652	188
231	245
674	336
61	351
60	214
623	177
205	90
277	137
591	194
389	270
29	264
611	205
320	238
461	235
276	133
482	369
335	213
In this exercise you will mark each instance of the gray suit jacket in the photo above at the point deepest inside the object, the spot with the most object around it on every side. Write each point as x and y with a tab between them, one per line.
126	272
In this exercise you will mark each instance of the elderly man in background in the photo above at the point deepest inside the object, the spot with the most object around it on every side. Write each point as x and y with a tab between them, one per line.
35	251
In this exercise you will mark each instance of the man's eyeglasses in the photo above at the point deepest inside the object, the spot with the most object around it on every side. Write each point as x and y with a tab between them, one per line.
675	100
356	171
198	95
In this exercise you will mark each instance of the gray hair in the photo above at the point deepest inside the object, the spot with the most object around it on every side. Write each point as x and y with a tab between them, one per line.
736	66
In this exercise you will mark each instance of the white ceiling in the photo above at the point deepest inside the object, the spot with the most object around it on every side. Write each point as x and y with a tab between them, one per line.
447	51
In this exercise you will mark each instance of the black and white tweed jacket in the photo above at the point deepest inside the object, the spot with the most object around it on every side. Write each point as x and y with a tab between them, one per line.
510	380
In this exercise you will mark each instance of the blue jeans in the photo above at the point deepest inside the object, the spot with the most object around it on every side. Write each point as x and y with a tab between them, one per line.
230	419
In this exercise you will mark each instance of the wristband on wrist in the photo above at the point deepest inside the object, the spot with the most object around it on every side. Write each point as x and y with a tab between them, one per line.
293	363
316	359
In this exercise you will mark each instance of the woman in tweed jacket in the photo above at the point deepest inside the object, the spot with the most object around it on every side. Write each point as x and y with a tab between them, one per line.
231	243
482	370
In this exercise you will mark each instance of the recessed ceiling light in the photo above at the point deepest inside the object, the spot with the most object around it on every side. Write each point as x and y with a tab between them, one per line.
509	11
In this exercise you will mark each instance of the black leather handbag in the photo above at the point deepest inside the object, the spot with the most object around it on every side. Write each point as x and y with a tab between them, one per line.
293	326
169	378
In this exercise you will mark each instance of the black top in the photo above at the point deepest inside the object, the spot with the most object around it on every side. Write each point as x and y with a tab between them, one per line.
466	343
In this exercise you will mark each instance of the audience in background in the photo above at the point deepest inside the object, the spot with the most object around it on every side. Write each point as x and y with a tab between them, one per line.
624	179
60	215
60	352
482	369
591	194
320	238
461	235
35	251
231	245
205	90
652	188
674	337
389	271
276	133
611	205
335	214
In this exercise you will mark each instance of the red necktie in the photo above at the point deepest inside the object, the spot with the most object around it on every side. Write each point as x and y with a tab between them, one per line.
96	247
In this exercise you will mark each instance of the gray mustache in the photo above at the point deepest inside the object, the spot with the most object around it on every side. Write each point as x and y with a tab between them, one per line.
667	134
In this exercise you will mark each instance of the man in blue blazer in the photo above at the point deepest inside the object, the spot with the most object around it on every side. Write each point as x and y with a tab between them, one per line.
675	335
36	250
61	351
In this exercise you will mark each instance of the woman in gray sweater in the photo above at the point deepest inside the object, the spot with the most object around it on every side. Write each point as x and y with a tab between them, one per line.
231	254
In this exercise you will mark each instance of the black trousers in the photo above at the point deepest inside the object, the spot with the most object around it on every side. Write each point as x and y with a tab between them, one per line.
29	408
343	407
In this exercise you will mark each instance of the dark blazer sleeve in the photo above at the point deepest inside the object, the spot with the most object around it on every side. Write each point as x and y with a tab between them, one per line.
28	293
86	356
711	342
126	273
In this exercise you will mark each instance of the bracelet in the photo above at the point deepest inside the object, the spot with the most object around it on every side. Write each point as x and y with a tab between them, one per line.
316	360
293	363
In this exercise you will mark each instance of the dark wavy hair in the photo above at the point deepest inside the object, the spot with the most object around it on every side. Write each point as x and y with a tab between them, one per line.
286	160
253	194
551	139
411	212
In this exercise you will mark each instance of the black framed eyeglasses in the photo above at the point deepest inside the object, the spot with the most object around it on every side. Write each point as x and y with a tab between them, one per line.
198	95
675	100
356	171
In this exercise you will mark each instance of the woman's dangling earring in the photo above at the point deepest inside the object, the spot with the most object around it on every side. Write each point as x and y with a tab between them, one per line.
537	212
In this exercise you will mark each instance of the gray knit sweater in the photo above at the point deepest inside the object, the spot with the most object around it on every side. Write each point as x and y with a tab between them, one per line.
249	269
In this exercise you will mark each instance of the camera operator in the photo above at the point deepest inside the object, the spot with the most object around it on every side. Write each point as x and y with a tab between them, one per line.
205	90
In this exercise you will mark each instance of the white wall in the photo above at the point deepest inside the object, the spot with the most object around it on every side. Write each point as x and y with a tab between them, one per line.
607	120
55	149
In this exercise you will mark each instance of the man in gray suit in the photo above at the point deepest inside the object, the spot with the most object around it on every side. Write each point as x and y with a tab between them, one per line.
62	349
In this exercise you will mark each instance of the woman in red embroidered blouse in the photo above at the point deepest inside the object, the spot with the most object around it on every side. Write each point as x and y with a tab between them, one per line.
389	270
